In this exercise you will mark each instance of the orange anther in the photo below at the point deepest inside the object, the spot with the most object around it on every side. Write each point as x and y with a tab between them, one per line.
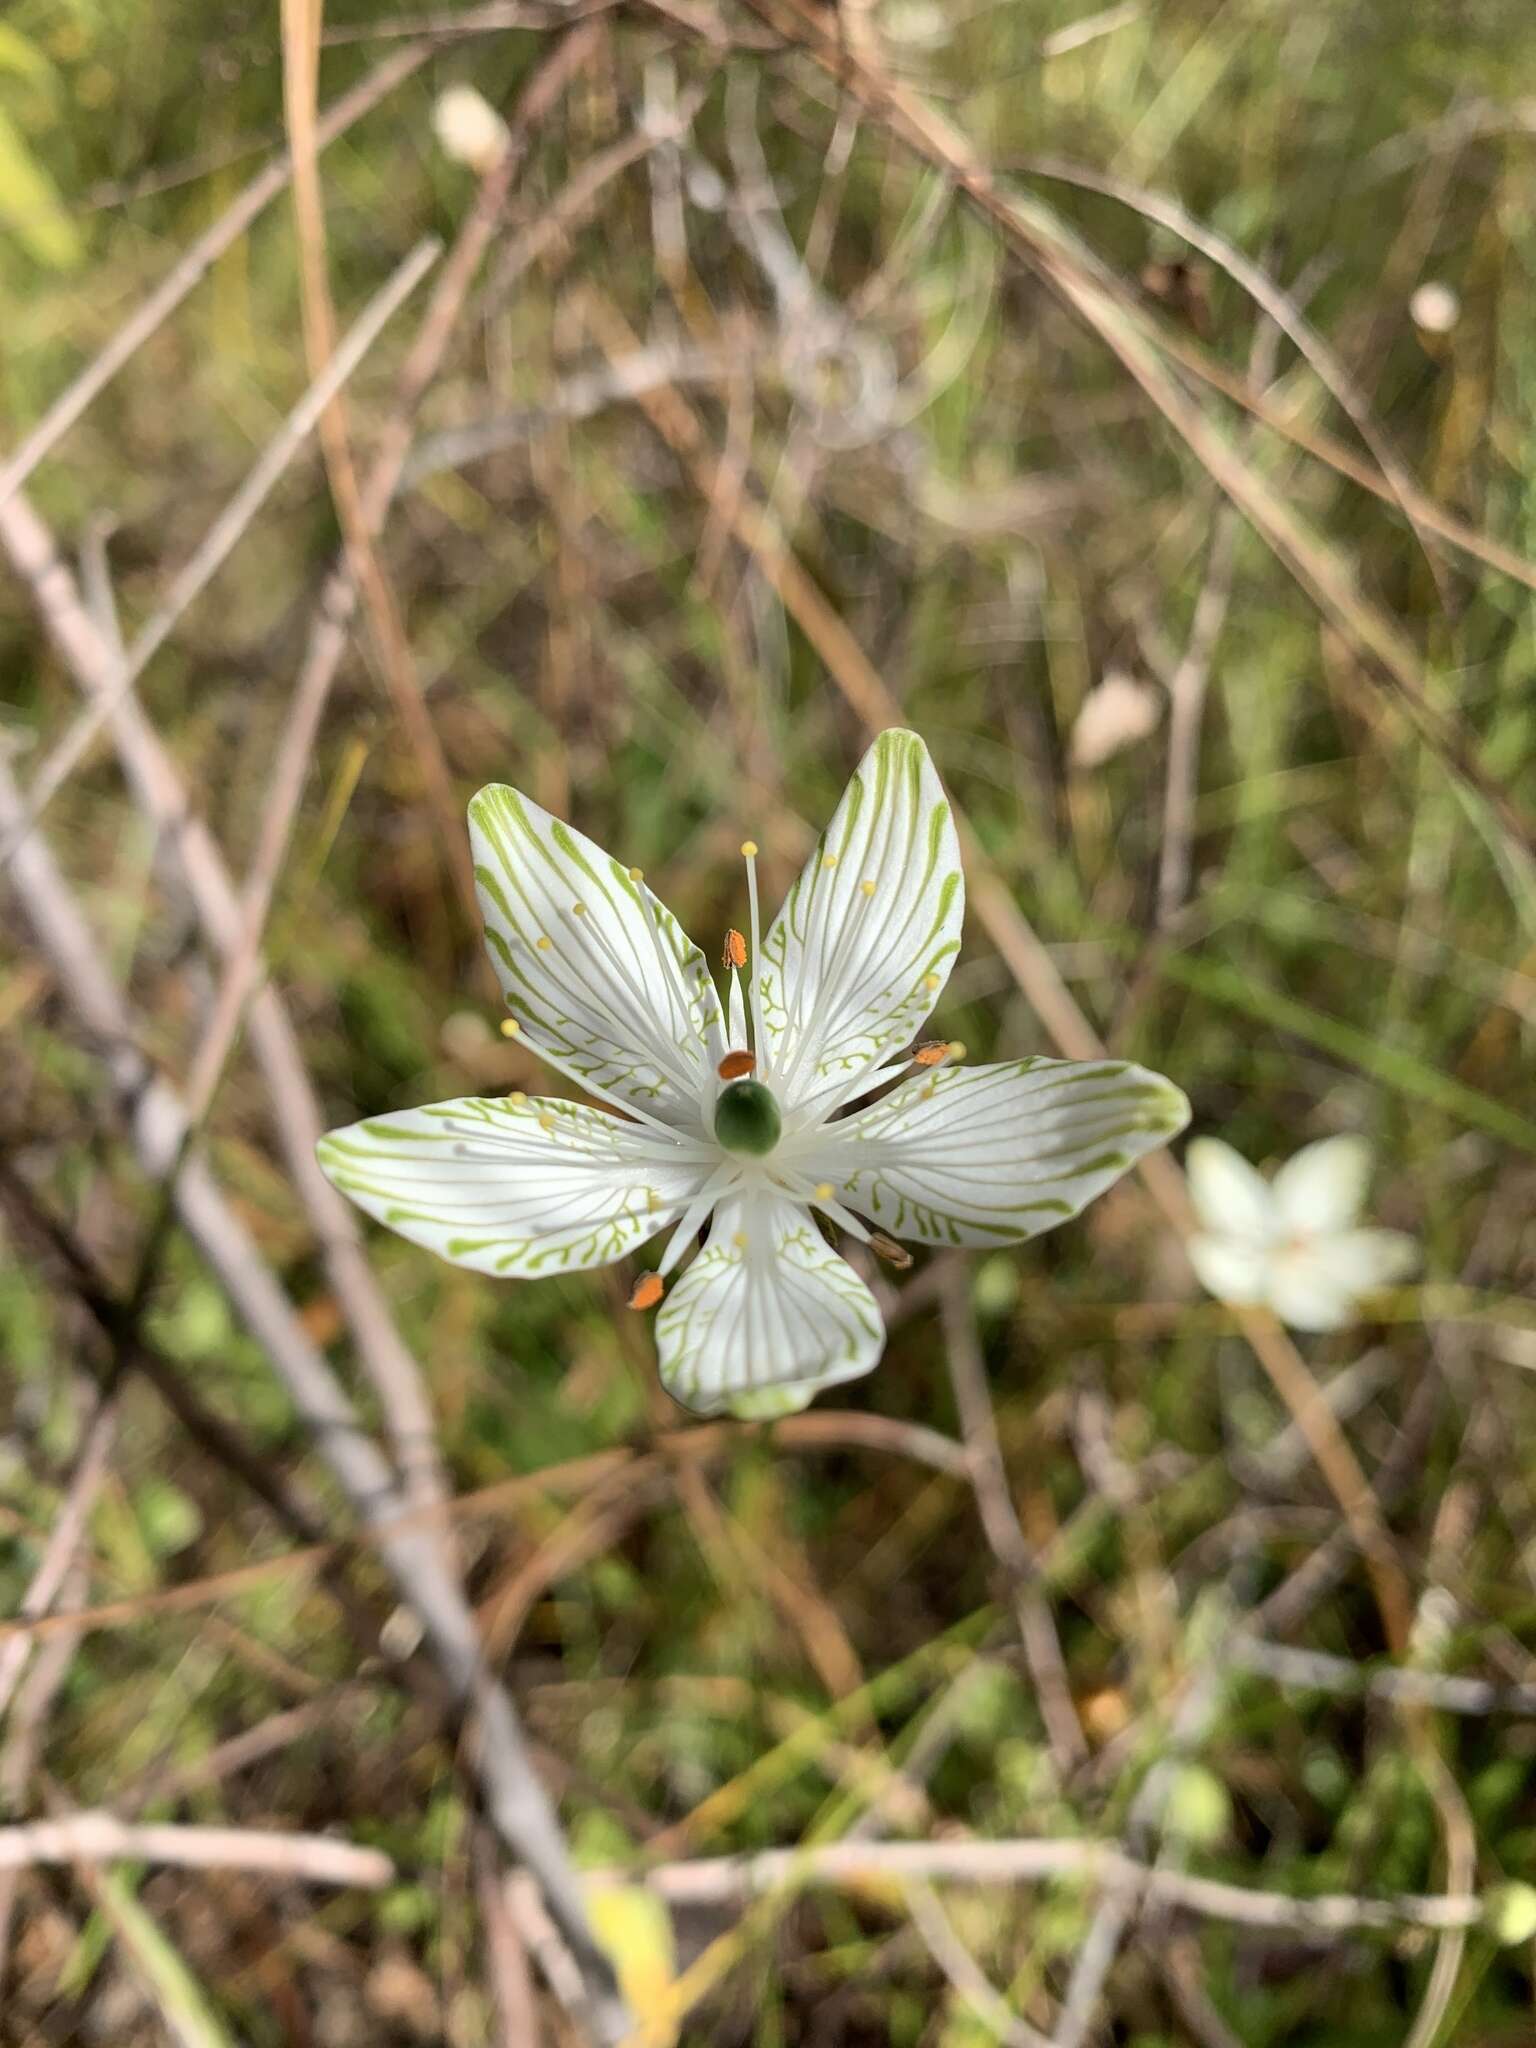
933	1054
735	949
734	1065
648	1290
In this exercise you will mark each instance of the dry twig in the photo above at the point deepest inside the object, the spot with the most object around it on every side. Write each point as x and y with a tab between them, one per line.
92	1837
715	1879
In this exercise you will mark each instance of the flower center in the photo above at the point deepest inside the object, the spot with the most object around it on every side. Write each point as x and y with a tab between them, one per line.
747	1118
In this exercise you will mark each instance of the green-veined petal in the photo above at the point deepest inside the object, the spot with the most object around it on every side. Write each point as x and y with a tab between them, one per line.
766	1304
542	1186
615	989
857	956
988	1155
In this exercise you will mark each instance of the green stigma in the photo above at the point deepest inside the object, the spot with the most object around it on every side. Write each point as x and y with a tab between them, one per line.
747	1118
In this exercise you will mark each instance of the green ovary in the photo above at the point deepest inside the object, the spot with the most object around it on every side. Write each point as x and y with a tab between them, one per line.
747	1119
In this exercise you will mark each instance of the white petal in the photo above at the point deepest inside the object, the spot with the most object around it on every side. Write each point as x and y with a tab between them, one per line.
1317	1284
1231	1198
1231	1268
1307	1292
989	1155
856	958
778	1311
1374	1258
1322	1187
620	993
543	1186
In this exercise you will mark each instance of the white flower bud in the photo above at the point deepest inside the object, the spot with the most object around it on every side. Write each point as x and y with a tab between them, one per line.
1115	715
469	129
1434	308
1512	1914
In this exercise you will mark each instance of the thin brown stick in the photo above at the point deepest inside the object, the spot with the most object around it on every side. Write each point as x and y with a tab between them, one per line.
1000	1523
386	628
92	1837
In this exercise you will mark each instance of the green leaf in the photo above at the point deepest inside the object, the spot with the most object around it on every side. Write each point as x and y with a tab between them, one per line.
30	206
21	56
169	1518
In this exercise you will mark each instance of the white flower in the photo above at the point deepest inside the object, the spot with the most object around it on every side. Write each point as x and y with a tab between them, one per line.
765	1135
469	129
1115	714
1435	307
1292	1244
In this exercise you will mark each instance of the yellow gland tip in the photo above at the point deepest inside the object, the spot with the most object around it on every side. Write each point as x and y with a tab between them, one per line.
824	1191
956	1049
829	860
517	1098
546	1122
868	888
637	874
510	1027
578	910
930	982
543	942
740	1240
749	849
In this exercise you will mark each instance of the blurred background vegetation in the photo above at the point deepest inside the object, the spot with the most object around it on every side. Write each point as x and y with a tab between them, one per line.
694	354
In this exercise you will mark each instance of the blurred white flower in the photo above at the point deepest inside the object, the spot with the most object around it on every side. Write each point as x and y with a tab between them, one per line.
1434	307
469	129
916	24
1293	1244
1115	715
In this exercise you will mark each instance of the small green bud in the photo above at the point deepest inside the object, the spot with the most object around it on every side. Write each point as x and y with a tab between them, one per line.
1512	1914
996	1288
772	1404
747	1119
1198	1808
